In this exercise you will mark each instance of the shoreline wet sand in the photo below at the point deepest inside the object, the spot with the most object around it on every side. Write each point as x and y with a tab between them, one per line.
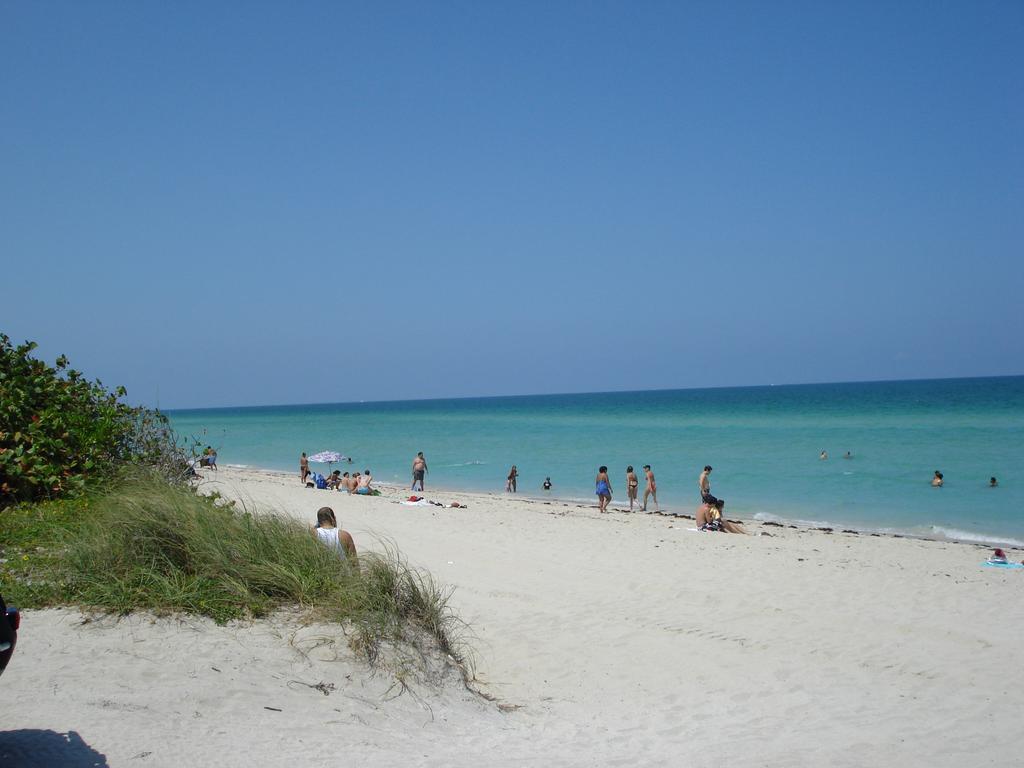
604	638
752	524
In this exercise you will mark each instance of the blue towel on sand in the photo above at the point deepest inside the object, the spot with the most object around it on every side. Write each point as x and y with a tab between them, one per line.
1003	565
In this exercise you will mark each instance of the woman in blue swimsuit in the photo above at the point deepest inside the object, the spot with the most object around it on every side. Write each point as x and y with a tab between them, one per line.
603	488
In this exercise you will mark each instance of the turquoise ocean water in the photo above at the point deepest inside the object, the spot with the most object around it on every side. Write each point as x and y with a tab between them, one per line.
763	442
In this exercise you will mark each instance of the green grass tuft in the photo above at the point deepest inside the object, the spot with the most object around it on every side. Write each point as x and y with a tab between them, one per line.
152	546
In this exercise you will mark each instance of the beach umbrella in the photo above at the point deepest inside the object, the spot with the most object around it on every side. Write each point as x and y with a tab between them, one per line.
326	457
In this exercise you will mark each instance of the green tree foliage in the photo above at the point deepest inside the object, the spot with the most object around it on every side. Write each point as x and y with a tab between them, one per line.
59	431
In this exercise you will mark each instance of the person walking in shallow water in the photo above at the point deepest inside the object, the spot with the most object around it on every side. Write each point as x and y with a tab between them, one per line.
510	483
631	486
603	488
651	489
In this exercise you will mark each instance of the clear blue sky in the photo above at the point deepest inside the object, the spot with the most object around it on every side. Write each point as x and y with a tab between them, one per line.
246	203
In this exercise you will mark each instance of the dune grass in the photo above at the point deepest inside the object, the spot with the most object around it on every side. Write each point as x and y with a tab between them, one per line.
147	545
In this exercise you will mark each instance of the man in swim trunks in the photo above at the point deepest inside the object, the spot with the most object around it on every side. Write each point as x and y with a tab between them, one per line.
419	469
651	489
705	487
363	486
303	468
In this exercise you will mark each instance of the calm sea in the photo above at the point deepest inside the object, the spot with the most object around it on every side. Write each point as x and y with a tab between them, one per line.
763	442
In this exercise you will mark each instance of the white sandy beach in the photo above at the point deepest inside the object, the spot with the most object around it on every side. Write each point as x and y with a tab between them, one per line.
618	639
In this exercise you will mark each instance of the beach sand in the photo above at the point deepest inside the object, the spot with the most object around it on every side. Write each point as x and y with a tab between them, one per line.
615	639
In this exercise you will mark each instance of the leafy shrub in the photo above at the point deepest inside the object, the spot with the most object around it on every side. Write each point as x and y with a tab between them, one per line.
59	431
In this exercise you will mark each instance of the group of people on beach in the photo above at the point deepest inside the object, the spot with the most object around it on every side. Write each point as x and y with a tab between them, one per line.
357	482
709	514
603	488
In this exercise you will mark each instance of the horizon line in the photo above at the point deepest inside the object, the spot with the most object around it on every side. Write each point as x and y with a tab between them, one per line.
593	392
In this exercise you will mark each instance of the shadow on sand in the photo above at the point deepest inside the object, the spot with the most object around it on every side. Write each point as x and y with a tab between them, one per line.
30	748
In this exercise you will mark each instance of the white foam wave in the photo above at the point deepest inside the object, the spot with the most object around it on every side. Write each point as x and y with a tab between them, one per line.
954	534
466	464
939	532
767	517
238	466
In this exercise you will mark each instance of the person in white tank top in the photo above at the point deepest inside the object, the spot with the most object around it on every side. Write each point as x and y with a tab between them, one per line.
332	536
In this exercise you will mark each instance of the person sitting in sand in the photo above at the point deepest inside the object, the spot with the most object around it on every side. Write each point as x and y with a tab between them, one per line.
603	488
363	484
329	533
710	518
631	485
937	479
998	557
334	481
192	466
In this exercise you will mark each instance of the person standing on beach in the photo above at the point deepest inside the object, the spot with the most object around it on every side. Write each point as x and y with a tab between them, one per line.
651	489
631	485
510	484
303	468
603	488
705	487
419	469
